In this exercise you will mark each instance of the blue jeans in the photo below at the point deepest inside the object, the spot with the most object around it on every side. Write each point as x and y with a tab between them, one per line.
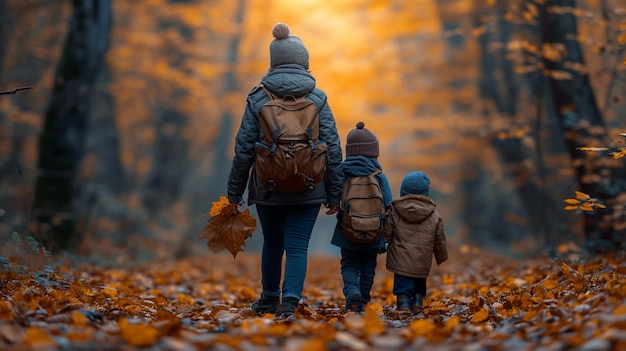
286	229
357	270
408	286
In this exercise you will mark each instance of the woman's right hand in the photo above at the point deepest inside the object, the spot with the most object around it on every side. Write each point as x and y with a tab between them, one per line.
332	209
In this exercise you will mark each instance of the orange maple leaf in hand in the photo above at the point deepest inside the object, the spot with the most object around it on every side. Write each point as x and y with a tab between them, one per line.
228	228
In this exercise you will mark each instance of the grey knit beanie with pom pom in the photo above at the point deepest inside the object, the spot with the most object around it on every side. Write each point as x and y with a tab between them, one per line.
287	48
361	141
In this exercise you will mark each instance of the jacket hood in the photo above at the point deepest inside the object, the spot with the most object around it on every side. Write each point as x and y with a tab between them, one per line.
289	79
414	208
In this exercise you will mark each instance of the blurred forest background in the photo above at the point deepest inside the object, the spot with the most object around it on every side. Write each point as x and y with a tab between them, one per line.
127	135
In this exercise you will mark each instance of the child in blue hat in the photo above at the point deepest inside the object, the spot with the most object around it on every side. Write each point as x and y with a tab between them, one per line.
414	233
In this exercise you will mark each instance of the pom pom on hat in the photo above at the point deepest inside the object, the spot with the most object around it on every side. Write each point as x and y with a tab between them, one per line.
287	48
280	31
416	183
361	141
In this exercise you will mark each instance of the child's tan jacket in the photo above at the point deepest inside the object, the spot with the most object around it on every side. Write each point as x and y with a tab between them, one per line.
414	232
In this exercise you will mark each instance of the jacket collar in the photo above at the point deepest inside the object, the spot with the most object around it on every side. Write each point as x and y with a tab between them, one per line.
290	79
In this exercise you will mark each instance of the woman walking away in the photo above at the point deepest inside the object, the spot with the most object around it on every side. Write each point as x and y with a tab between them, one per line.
287	210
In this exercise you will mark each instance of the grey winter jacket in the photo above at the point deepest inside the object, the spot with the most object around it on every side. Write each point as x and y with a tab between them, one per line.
284	80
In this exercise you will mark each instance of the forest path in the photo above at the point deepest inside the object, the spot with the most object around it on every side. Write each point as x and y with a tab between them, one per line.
475	301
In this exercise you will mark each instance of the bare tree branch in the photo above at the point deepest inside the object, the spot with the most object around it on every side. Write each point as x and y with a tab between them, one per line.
6	92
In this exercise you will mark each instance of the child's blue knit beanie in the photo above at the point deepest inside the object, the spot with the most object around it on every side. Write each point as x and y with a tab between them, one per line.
415	183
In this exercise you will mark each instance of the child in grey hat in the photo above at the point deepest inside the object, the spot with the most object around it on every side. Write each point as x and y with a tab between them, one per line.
414	232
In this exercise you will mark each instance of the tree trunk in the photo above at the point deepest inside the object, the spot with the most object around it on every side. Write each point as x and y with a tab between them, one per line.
170	159
499	92
229	86
4	19
219	148
101	193
169	163
62	142
110	172
581	122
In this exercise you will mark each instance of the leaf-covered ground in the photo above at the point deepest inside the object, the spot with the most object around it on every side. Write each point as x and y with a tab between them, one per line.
476	302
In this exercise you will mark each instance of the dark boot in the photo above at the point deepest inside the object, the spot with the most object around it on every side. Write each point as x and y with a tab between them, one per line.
266	304
354	302
404	302
288	308
364	302
418	300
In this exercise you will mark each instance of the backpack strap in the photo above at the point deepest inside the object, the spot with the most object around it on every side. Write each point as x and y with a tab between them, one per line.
382	217
268	92
275	135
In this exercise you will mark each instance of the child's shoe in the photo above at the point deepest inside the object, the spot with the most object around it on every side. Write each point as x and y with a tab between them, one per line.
417	303
418	300
266	304
404	302
354	302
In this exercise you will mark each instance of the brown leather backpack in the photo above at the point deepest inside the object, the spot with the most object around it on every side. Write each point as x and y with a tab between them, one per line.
363	209
290	157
